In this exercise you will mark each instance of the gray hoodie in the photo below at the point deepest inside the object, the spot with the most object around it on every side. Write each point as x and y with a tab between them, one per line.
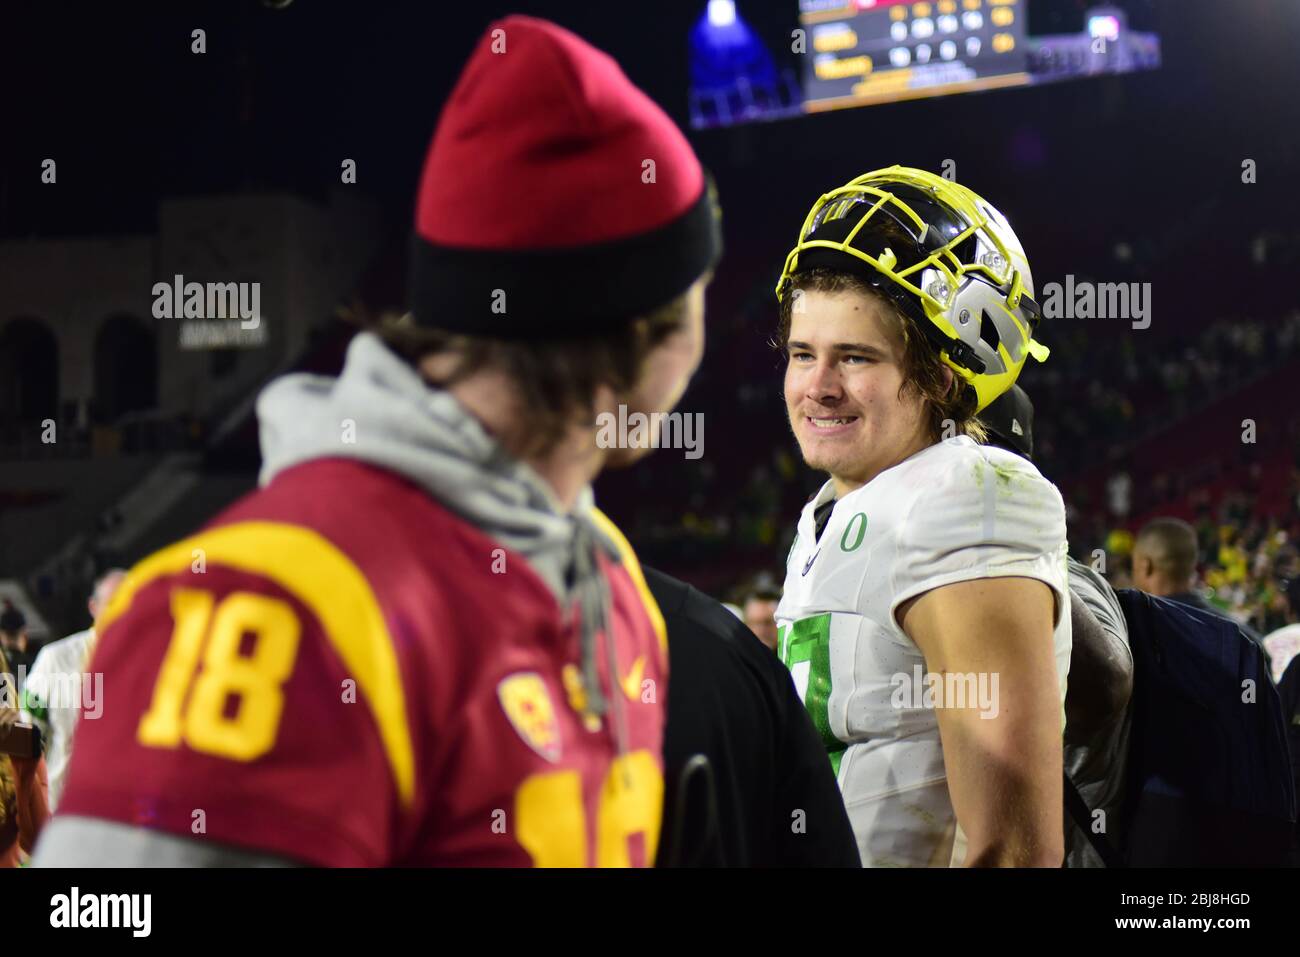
380	411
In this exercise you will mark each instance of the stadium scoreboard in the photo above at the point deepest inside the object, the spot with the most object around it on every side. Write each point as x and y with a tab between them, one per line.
872	51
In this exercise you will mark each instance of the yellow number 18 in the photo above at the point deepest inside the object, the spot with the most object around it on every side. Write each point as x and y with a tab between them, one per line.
552	825
255	681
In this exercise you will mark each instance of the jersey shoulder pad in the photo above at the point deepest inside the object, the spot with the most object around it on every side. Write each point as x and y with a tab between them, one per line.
984	495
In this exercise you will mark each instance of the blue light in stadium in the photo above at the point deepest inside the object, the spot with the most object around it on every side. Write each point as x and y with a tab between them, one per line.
733	76
725	52
722	13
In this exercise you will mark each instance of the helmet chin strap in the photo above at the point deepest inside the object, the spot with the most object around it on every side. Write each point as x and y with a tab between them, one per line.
964	355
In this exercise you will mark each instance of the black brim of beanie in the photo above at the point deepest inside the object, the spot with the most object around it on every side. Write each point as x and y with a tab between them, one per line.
562	293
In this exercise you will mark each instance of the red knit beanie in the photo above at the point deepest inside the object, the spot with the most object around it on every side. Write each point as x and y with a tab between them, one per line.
556	198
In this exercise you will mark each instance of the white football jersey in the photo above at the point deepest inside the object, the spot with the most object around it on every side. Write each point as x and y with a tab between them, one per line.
53	699
952	512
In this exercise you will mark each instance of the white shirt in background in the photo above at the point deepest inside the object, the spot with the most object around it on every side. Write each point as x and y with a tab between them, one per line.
52	700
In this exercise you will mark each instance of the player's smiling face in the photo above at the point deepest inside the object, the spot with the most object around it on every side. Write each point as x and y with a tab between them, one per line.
843	389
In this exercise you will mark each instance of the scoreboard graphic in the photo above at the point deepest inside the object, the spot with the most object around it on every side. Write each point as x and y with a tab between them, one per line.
848	53
871	51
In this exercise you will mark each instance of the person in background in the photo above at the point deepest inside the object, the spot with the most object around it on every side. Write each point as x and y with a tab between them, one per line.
1164	565
23	785
13	644
52	699
1288	689
1282	645
759	606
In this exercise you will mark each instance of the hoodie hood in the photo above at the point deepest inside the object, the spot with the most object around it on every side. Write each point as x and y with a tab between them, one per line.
381	412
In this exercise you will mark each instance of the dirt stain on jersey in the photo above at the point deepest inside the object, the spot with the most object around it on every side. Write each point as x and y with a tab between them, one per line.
1006	474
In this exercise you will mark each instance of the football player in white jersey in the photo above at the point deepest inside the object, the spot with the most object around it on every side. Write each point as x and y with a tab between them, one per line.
925	615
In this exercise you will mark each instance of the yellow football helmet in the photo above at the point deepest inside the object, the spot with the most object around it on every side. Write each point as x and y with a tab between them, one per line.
944	255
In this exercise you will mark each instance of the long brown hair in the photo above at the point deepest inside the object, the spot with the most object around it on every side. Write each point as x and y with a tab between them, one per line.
556	379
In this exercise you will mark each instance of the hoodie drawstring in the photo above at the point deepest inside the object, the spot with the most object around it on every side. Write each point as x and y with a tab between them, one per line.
593	603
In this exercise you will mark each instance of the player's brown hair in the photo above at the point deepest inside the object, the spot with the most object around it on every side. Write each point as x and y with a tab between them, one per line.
923	370
556	380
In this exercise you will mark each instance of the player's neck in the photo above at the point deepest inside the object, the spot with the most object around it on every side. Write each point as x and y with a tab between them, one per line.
844	484
570	466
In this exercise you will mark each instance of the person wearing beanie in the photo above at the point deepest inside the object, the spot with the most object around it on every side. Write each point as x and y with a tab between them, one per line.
419	642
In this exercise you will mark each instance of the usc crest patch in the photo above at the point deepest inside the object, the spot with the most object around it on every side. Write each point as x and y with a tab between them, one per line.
527	704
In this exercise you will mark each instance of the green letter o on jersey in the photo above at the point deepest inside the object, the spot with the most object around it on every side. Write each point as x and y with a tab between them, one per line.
858	536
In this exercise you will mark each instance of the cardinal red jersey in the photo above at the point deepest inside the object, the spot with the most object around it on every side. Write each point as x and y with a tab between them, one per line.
340	671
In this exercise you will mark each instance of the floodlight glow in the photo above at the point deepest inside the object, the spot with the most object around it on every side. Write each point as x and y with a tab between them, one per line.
1104	27
722	13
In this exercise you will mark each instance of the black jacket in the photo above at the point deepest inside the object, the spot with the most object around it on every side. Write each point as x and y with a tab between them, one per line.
1194	600
768	796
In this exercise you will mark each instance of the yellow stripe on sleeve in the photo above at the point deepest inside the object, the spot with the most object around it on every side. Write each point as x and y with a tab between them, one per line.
318	574
633	567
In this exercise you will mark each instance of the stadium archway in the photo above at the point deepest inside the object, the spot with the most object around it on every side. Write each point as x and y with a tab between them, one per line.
126	367
29	372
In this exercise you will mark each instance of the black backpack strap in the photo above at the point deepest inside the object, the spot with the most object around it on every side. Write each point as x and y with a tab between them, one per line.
1078	809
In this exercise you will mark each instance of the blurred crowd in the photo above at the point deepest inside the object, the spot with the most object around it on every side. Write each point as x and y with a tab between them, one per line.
1247	567
1120	388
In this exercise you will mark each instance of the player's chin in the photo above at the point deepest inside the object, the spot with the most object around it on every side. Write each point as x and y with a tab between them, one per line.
816	456
830	455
